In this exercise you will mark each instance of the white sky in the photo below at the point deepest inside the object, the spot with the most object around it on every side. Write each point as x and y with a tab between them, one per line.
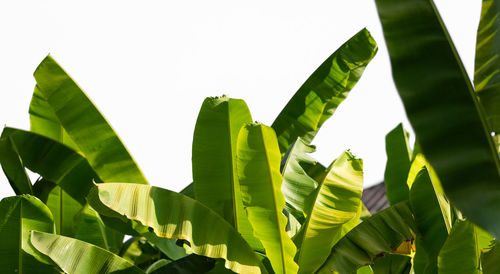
148	66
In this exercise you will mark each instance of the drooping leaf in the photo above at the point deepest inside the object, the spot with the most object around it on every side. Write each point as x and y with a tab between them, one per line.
13	167
86	127
336	201
215	180
487	62
88	227
429	220
54	162
321	94
460	253
75	256
258	164
63	207
387	231
440	103
398	165
44	121
172	215
297	185
392	263
18	216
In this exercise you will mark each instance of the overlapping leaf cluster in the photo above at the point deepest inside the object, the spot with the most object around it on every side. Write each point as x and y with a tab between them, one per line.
259	203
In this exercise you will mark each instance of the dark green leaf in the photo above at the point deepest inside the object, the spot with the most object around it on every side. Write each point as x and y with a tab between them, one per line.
398	165
442	108
13	167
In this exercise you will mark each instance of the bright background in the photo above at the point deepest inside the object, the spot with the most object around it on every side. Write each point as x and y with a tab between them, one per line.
149	65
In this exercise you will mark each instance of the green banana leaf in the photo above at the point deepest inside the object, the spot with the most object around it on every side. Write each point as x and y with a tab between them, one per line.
297	185
258	164
491	260
398	165
487	62
441	103
431	227
13	167
460	252
387	231
18	216
392	263
336	201
139	252
172	215
88	227
86	127
321	94
192	264
188	191
53	161
44	121
63	207
214	149
75	256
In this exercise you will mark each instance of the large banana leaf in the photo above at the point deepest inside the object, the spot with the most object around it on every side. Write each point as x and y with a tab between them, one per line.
398	165
75	256
260	179
53	161
88	227
297	185
44	121
172	215
18	216
13	167
443	109
487	62
192	264
460	252
429	220
86	127
387	231
215	179
318	98
335	202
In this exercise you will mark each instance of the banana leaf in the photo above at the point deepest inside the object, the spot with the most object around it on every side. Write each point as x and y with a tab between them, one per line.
88	227
487	62
460	252
336	201
54	162
191	264
75	256
13	167
44	121
388	231
172	215
63	207
442	108
321	94
18	216
139	252
297	185
215	180
491	260
398	165
392	263
431	227
86	127
258	163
